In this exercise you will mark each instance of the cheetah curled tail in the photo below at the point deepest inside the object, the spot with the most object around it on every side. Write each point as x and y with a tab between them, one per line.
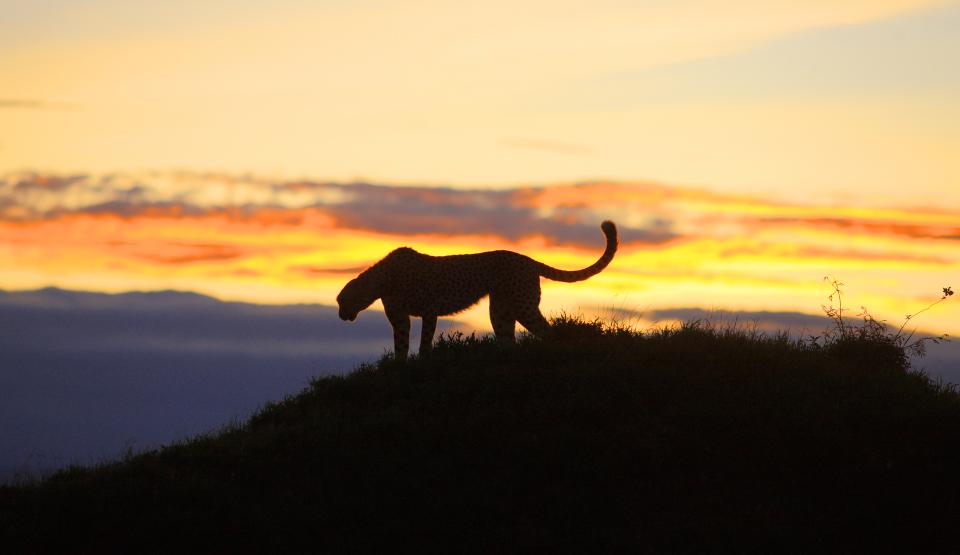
413	284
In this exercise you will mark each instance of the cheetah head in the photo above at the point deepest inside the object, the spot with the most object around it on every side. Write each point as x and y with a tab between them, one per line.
356	295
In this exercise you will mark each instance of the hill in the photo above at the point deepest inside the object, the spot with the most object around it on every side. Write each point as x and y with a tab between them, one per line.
597	438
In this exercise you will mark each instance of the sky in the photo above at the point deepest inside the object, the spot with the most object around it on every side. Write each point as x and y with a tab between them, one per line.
833	102
264	153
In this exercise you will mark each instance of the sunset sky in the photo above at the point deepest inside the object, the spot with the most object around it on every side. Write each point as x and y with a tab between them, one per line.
267	152
264	153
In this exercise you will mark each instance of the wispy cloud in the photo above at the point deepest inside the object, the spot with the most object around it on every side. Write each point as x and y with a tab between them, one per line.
944	229
34	104
511	214
548	146
317	270
648	214
21	103
184	253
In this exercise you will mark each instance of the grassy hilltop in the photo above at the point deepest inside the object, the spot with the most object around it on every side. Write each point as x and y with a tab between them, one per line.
597	438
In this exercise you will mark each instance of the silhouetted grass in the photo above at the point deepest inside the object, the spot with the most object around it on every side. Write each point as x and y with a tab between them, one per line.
598	438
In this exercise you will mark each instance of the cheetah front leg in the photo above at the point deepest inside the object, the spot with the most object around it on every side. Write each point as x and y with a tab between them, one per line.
428	326
401	332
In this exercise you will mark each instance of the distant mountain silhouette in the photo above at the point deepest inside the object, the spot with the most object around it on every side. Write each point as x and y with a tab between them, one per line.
84	375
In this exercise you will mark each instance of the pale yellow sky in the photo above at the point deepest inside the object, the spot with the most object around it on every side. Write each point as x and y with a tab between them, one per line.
831	101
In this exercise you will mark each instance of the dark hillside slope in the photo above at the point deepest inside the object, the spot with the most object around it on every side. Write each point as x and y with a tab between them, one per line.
595	439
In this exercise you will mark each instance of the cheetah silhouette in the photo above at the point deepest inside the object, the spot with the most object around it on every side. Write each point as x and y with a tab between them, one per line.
414	284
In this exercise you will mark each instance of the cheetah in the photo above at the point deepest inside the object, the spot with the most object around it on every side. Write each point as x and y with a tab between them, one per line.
410	283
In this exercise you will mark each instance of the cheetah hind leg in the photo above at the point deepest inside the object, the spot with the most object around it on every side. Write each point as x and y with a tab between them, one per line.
504	323
535	323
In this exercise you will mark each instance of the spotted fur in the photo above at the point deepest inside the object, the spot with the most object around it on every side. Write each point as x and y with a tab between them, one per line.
414	284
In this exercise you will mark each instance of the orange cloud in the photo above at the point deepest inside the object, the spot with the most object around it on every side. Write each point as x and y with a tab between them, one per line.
876	227
259	240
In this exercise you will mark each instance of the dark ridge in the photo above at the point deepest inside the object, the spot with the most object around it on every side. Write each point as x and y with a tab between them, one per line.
595	439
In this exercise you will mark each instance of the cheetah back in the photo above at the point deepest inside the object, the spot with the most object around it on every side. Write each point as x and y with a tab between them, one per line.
443	285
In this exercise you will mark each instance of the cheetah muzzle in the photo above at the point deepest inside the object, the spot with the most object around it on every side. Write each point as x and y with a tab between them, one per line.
410	283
